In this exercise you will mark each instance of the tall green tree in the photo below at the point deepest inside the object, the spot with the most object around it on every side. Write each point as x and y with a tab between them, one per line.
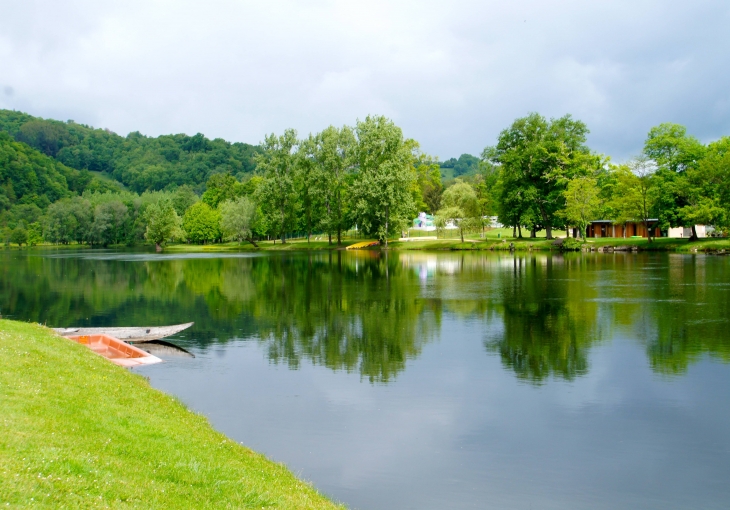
238	219
708	191
110	221
635	193
68	220
183	198
334	153
581	202
219	188
381	200
307	182
202	223
19	235
163	223
277	193
428	178
460	205
675	153
539	157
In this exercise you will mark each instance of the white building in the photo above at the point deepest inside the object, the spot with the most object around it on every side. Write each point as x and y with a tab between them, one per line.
685	232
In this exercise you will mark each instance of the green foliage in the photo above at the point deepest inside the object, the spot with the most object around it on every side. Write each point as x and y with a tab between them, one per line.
202	223
19	235
381	202
238	219
465	165
672	149
428	179
35	234
333	152
537	158
277	193
581	202
460	206
163	223
220	188
571	244
139	162
29	177
68	220
183	198
110	223
674	153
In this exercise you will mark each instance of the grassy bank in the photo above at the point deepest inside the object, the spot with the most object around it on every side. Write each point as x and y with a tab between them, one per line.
77	431
495	240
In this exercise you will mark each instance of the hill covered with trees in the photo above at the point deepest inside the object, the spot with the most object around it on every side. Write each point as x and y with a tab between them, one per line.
57	183
139	162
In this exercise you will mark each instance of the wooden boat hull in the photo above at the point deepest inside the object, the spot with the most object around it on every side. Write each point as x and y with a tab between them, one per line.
115	350
130	334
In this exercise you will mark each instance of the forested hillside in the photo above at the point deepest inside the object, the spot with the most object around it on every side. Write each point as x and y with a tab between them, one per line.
139	162
29	177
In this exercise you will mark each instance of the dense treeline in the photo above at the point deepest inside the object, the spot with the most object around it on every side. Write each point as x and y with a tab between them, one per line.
139	162
540	175
547	177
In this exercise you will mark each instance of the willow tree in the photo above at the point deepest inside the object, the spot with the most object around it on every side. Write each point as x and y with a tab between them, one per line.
381	197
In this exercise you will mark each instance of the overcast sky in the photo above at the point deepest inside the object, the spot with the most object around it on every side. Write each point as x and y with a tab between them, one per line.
451	73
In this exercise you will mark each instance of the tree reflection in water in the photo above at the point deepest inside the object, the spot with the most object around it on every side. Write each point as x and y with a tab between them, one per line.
370	312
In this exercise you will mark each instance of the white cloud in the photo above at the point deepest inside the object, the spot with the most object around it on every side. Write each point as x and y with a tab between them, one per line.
452	74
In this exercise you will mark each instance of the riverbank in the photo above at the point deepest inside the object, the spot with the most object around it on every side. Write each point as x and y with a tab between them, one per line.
77	431
490	243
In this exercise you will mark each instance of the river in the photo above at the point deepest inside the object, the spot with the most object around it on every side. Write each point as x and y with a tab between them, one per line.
433	380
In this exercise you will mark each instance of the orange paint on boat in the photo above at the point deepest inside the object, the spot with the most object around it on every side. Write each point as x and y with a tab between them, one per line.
115	350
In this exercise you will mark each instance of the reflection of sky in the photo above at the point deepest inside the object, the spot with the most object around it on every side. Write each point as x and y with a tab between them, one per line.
455	430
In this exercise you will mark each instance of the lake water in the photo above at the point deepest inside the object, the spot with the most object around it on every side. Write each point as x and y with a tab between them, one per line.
423	380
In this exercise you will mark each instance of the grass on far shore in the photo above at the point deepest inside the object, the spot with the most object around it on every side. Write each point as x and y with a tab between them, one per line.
495	239
77	431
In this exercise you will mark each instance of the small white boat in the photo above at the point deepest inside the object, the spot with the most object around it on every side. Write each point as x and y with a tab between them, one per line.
128	334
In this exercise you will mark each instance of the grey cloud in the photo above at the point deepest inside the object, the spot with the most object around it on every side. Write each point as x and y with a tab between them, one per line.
452	74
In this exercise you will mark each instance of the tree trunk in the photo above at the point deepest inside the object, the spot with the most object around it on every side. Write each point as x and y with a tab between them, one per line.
694	236
548	227
461	231
329	234
519	230
158	248
648	230
533	232
250	240
387	217
339	235
514	230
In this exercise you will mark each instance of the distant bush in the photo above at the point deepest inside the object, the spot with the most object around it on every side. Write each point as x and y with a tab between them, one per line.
571	244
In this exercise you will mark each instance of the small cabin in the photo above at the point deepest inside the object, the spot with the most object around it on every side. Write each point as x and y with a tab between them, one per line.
607	228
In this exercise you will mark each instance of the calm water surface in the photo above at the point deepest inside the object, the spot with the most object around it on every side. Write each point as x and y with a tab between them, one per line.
416	380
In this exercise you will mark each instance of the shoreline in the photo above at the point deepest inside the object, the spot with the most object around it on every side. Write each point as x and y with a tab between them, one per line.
706	245
79	431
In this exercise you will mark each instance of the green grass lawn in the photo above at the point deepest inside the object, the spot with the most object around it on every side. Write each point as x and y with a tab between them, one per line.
77	431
